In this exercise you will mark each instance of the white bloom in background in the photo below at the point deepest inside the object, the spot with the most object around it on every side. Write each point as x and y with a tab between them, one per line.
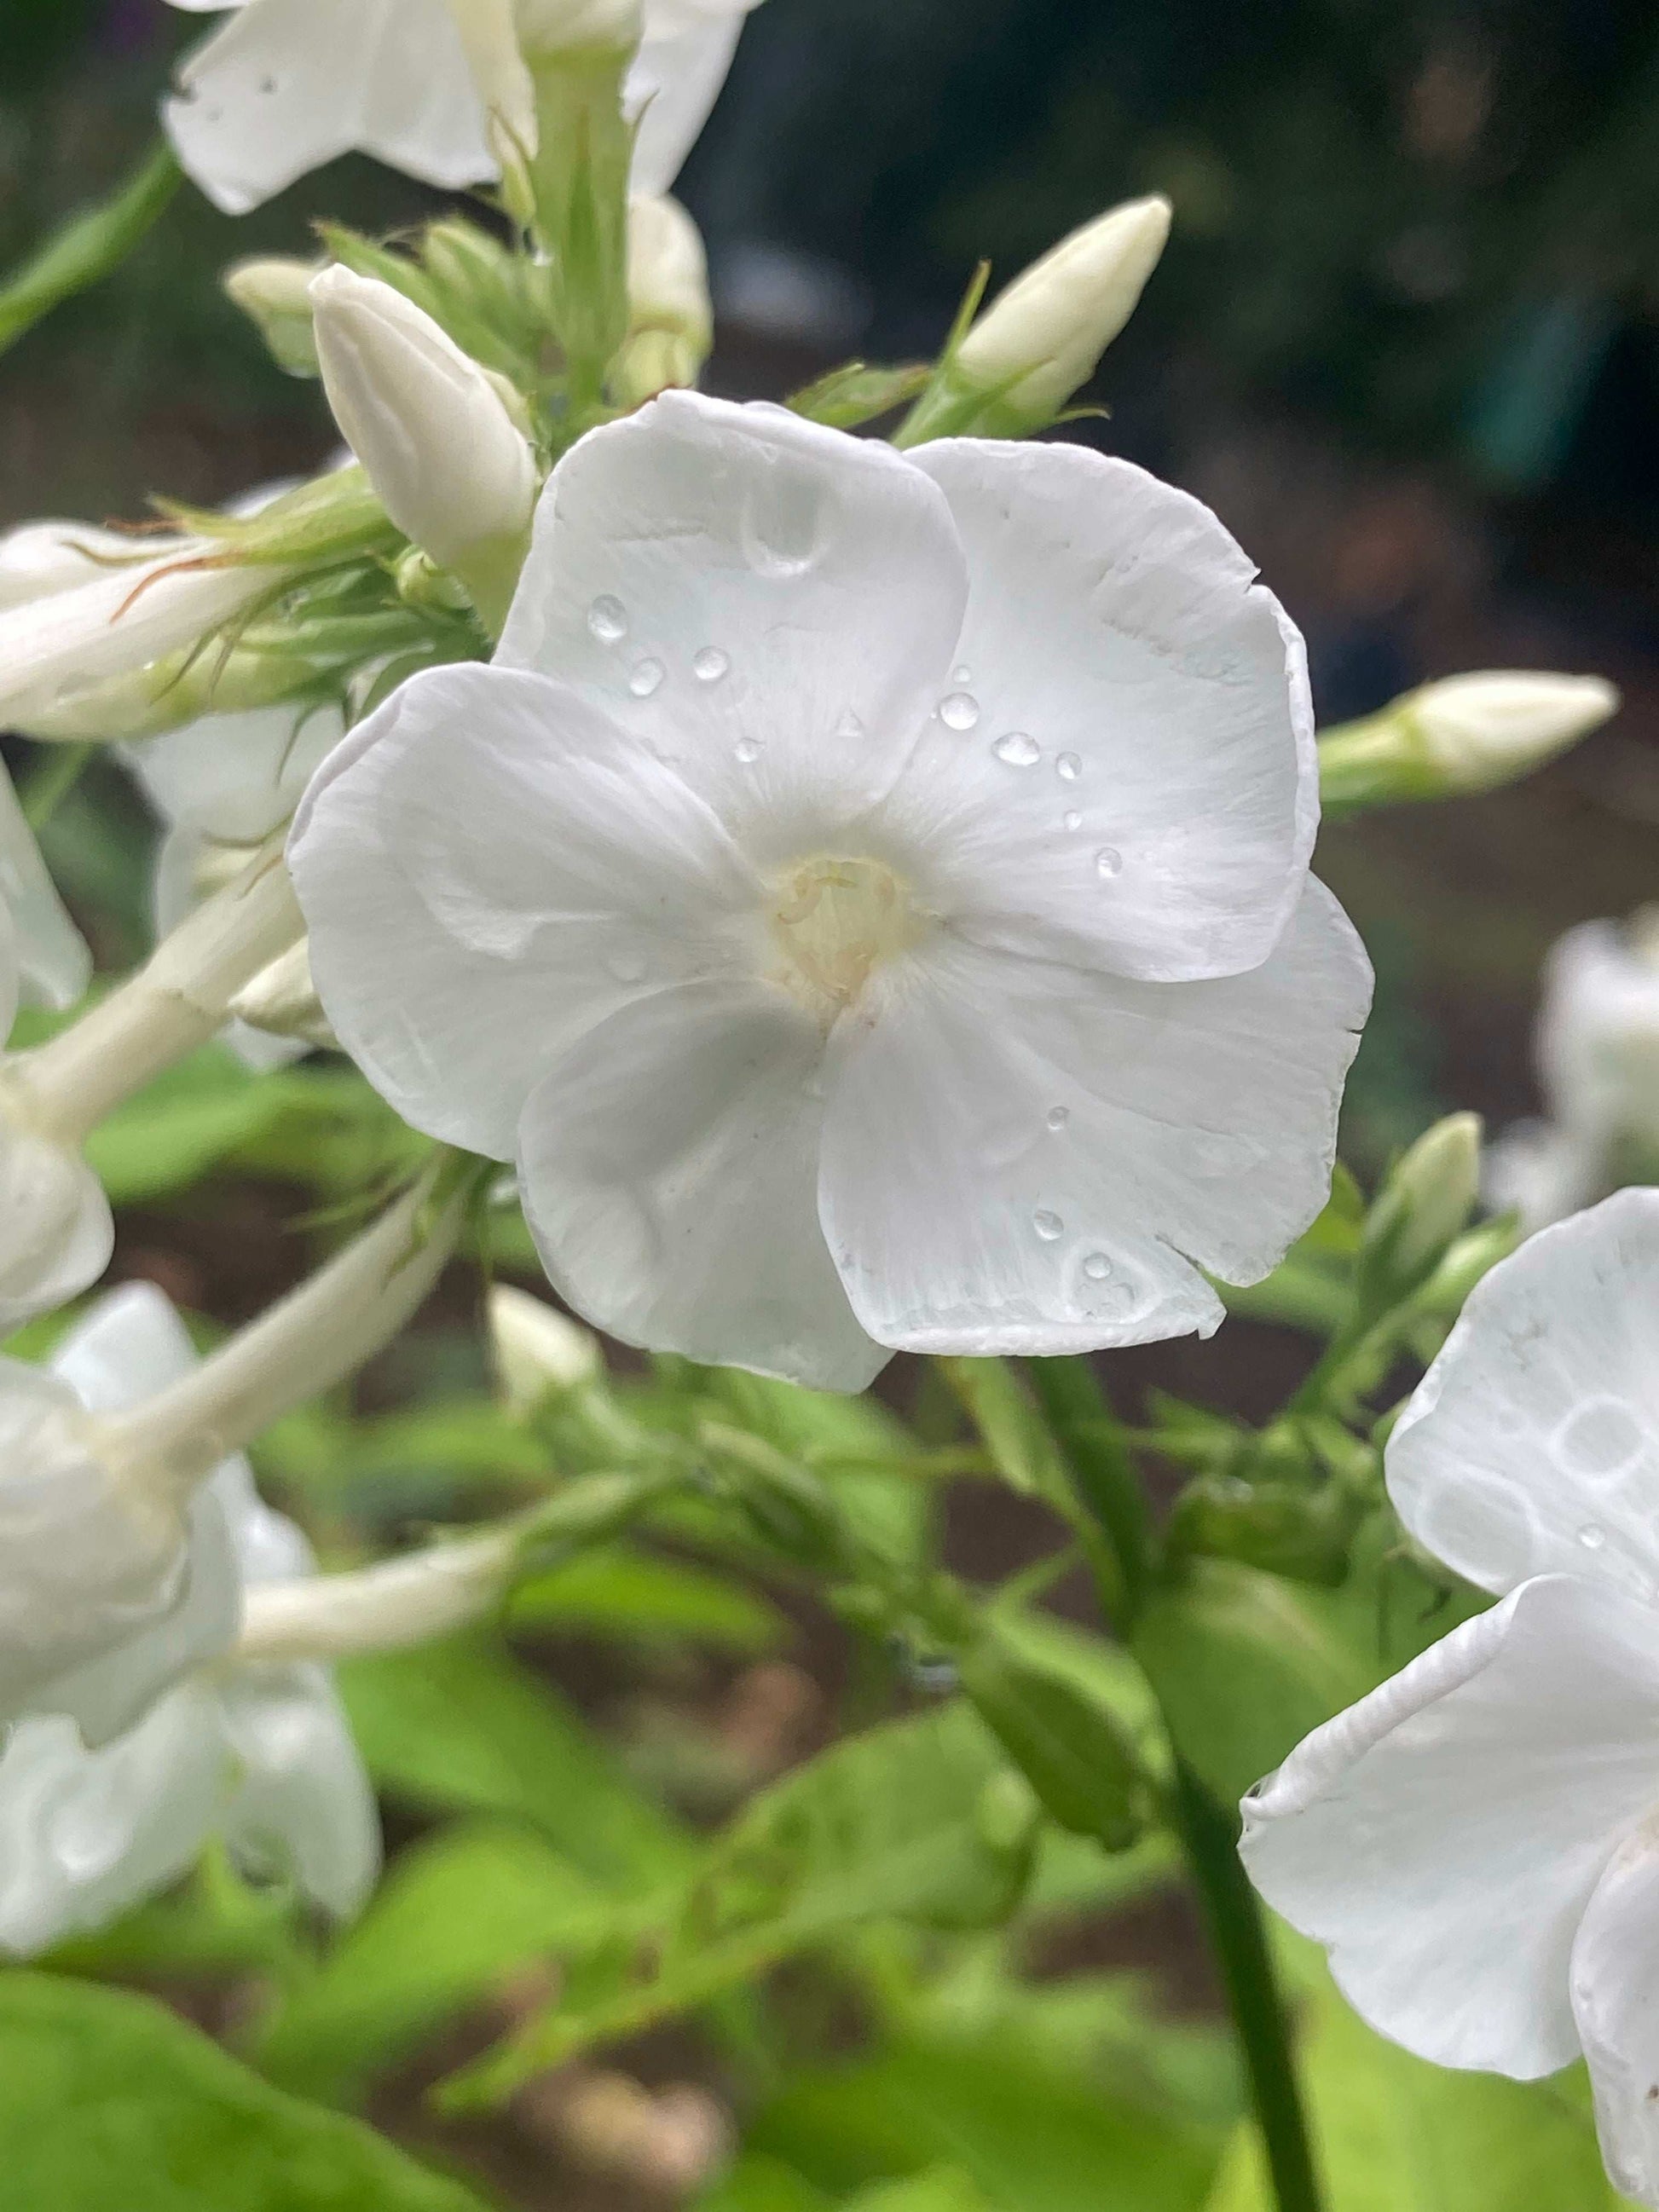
1040	339
284	85
1476	1842
867	898
83	608
451	467
221	785
259	1755
1597	1051
44	957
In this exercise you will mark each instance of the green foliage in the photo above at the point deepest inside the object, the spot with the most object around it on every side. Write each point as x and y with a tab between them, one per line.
107	2099
918	1821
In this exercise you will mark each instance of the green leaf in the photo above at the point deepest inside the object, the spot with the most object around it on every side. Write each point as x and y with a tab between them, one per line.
634	1596
857	393
1393	2133
455	1915
185	1122
1245	1665
918	1821
458	1725
941	2189
107	2099
1014	1432
758	2184
1031	2140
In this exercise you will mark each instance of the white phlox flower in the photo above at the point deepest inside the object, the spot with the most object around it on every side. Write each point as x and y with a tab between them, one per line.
867	898
283	86
1476	1842
1597	1051
258	1754
221	786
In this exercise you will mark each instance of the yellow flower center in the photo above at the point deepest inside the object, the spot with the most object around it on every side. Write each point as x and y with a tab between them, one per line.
832	920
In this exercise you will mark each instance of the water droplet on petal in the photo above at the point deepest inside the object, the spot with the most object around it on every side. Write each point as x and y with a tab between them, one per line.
1097	1266
1592	1536
1058	1116
1047	1225
1069	767
850	726
1073	820
1600	1440
962	676
627	967
608	619
647	678
710	664
748	750
1108	862
960	711
1017	750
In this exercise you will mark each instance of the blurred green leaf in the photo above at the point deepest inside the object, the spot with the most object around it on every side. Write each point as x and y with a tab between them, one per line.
108	2098
1015	1433
634	1596
460	1725
758	2184
1393	2133
1032	2140
915	1820
941	2189
187	1121
455	1916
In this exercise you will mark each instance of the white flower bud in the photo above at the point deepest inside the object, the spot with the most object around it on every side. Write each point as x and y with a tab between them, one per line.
1487	729
1049	328
273	291
538	1354
1422	1207
672	321
282	1001
441	451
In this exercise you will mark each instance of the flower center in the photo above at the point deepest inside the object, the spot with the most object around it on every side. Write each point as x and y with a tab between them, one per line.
832	921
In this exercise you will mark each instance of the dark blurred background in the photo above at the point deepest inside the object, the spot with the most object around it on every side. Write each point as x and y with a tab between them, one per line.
1404	340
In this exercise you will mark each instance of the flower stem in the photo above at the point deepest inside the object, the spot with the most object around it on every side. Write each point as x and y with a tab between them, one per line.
1093	1447
89	245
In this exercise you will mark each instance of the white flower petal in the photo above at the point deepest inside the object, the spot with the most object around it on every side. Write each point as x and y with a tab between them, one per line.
773	606
669	1168
304	1807
1532	1444
235	778
1444	1837
1615	2002
489	867
86	1834
56	1229
287	85
51	953
1125	768
1020	1157
672	87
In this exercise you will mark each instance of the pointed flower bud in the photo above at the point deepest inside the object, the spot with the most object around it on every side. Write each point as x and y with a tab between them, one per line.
672	320
1462	734
273	291
1422	1207
539	1353
1040	339
453	471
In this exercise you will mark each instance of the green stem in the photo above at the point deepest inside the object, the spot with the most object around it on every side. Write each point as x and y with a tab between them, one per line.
1209	1838
1093	1447
86	248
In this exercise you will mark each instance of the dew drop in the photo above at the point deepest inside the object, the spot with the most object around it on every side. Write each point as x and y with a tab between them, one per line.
748	750
1048	1225
963	676
1097	1266
850	726
1069	767
710	664
1073	820
1108	862
1058	1117
1592	1536
1017	750
959	711
608	619
627	967
647	678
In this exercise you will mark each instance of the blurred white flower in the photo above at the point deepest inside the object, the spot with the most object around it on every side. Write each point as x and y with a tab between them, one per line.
258	1754
284	85
1597	1050
43	955
538	1354
1476	1842
672	321
867	898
